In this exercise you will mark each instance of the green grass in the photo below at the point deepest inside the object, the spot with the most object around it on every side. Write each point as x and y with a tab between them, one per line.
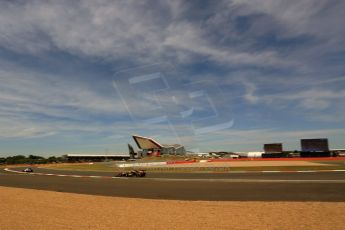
332	162
287	168
233	169
108	168
82	167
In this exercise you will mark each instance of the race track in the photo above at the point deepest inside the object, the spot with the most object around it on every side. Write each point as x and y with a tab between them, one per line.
309	186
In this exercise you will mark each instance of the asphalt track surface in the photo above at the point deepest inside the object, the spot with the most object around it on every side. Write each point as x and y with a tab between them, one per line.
311	186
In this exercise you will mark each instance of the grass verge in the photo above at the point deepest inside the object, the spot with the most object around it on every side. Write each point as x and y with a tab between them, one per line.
107	168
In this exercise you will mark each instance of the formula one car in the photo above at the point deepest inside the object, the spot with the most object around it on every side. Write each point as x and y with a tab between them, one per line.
28	170
132	173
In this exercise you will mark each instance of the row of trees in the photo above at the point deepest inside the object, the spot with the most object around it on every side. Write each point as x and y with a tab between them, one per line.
31	159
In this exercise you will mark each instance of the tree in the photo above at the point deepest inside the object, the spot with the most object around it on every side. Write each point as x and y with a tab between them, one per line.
52	159
18	159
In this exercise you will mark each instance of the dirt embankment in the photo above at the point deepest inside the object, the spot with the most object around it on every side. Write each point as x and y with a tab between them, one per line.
33	209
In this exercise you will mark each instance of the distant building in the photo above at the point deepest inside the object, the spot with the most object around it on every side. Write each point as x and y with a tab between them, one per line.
250	154
315	147
338	152
150	147
273	150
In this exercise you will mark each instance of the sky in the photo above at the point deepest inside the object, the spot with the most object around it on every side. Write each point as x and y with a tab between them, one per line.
231	75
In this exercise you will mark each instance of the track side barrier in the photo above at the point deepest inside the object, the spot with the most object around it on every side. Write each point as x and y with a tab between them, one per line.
141	164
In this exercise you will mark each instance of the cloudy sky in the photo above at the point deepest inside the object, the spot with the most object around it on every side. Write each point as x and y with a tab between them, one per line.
82	76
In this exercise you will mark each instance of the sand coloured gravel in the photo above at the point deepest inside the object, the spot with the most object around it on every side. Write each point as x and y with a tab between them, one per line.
34	209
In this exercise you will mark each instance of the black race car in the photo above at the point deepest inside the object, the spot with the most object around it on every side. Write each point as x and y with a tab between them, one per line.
28	170
132	173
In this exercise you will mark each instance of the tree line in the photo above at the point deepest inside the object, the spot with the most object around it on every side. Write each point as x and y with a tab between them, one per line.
31	159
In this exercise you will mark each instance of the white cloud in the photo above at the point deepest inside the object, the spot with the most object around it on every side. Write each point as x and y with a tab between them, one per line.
29	98
43	93
320	21
297	17
119	30
314	98
250	89
188	37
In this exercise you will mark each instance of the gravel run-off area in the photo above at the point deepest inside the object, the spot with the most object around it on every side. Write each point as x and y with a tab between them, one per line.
34	209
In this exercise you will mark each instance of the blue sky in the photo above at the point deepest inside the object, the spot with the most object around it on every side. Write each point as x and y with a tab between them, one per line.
82	76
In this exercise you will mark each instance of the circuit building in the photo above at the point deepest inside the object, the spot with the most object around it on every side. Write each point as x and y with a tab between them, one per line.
315	147
150	147
273	150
